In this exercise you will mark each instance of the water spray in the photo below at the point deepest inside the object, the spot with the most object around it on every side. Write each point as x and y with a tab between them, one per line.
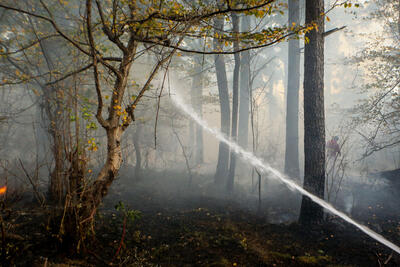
277	175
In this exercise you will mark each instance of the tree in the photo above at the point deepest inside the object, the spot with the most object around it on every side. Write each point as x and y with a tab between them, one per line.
113	35
222	83
292	96
377	114
138	153
197	103
314	113
235	103
38	73
244	95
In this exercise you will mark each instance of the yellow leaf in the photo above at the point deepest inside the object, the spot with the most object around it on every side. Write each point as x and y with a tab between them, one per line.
36	92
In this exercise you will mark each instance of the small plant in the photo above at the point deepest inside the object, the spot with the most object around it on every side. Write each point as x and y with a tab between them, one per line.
129	217
129	214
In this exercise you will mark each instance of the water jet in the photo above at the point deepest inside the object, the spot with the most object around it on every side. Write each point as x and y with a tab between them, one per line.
277	175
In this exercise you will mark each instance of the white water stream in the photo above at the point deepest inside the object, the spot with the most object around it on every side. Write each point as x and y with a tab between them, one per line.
265	167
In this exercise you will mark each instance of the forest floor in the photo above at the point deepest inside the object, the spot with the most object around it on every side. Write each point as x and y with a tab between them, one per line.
177	229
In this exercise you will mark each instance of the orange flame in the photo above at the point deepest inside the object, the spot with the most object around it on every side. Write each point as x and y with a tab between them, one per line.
3	190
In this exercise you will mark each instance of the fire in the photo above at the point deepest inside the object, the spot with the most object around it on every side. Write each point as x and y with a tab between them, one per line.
3	190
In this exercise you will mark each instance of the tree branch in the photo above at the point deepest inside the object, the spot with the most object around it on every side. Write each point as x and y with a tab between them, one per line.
99	115
194	16
71	74
132	106
111	36
51	21
28	46
325	34
280	39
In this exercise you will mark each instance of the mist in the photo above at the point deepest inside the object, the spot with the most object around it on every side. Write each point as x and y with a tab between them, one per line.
177	133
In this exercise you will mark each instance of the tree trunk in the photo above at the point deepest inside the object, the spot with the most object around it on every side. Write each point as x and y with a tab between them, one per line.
244	108
109	171
53	106
222	81
56	180
197	101
398	19
235	104
55	115
199	157
191	132
78	154
79	217
292	103
136	144
82	208
314	115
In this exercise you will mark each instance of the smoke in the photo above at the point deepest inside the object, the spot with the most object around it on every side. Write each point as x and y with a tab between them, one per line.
266	168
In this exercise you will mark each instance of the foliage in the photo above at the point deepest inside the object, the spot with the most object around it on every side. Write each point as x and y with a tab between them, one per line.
128	213
379	111
106	55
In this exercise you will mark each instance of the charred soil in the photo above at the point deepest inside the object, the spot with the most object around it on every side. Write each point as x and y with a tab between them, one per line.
176	229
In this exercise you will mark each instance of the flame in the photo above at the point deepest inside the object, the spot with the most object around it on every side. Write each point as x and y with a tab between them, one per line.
3	190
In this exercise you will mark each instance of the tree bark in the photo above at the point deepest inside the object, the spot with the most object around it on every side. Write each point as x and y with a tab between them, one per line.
314	114
222	81
235	104
244	108
292	103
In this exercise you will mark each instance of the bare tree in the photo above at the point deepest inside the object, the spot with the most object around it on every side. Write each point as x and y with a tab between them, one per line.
235	104
292	97
314	113
222	81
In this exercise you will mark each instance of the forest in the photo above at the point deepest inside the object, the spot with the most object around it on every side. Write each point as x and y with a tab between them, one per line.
199	133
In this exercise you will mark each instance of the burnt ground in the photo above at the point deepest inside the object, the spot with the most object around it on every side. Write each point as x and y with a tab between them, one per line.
180	229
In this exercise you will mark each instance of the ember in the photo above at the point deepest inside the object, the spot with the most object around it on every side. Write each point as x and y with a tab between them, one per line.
3	190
